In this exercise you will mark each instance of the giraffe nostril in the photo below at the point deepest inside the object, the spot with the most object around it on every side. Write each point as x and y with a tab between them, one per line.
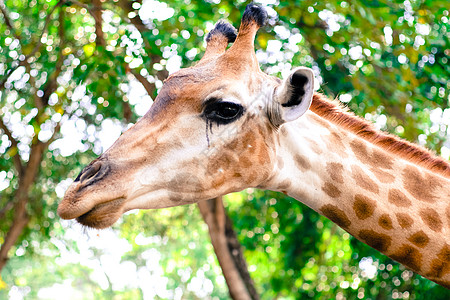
97	170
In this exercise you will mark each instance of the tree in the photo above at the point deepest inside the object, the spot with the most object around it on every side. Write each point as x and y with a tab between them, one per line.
70	69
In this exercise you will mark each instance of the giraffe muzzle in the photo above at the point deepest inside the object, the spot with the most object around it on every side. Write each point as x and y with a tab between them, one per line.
88	199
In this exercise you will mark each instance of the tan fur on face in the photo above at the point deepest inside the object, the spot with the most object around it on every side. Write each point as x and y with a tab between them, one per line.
220	158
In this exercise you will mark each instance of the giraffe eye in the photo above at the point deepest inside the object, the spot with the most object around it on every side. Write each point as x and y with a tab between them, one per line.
223	112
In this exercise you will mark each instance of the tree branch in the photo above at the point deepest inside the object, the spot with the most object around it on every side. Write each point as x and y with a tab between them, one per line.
227	249
92	11
136	21
20	221
322	25
14	144
5	209
36	47
21	217
8	22
52	83
149	87
96	12
235	249
140	26
5	15
53	137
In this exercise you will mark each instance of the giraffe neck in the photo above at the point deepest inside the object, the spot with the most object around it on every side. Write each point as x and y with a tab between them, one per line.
389	203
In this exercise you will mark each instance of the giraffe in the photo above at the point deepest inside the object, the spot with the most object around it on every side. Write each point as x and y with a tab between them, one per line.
223	125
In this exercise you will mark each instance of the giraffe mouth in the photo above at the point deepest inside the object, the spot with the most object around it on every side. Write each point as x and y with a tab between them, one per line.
103	215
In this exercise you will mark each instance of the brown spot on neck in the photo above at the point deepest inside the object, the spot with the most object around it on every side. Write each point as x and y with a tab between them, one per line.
302	163
380	159
398	198
280	162
409	256
438	269
335	171
385	222
314	146
363	180
441	265
335	144
445	253
431	218
417	185
363	206
375	157
336	215
420	239
331	190
359	148
378	241
284	185
404	220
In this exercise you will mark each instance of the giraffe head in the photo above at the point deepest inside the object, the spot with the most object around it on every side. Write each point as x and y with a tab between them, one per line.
212	130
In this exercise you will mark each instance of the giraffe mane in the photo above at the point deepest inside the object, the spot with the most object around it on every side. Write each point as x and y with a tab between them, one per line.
334	112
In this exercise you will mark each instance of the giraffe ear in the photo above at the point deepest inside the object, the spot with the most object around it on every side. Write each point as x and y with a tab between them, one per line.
294	95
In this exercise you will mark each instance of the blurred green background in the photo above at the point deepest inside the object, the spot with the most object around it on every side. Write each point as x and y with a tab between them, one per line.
74	74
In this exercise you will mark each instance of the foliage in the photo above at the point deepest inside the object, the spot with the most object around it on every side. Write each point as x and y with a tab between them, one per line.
388	60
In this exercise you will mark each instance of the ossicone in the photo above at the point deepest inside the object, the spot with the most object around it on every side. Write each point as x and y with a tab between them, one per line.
242	48
221	30
218	39
254	14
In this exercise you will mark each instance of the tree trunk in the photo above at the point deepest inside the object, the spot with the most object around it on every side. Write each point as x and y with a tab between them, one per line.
21	217
96	12
27	172
228	249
